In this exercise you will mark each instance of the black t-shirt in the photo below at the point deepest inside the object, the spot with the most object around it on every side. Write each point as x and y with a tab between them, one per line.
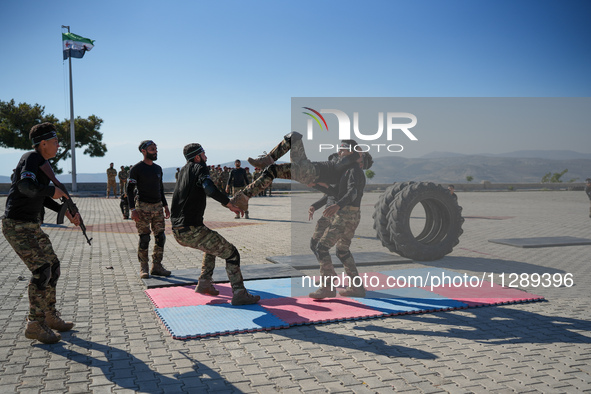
350	188
146	180
238	178
190	195
30	190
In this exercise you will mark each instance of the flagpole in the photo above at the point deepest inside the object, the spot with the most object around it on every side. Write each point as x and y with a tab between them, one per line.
72	128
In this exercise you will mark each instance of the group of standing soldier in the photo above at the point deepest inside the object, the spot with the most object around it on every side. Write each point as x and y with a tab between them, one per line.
112	175
342	180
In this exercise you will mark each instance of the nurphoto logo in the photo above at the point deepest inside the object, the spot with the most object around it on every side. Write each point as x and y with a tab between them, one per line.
392	126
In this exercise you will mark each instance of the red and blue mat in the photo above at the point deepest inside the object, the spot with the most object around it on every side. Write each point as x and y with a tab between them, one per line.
285	302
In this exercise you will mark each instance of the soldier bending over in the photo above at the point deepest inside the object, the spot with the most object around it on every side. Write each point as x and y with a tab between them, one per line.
188	206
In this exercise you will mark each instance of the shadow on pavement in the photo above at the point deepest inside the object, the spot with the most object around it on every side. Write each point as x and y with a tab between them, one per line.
482	264
507	326
313	335
127	371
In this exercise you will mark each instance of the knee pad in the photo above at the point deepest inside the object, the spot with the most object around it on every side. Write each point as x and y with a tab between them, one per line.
160	239
144	241
234	258
55	274
322	252
344	255
44	273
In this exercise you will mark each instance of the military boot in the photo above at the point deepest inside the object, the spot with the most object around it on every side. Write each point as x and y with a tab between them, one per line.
240	200
144	271
41	332
243	297
205	286
279	150
54	321
159	270
323	292
353	292
246	215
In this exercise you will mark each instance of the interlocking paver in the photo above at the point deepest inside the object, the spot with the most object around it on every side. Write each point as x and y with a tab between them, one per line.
119	344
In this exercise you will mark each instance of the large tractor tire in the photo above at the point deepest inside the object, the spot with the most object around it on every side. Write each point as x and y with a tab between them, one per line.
443	221
382	211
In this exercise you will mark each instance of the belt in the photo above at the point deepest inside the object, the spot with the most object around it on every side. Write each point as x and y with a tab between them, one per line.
181	230
349	208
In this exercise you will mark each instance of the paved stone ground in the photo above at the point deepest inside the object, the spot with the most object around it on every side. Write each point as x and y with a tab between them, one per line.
119	344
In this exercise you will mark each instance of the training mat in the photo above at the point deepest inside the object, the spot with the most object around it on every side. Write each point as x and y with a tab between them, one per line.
542	242
285	302
191	276
361	259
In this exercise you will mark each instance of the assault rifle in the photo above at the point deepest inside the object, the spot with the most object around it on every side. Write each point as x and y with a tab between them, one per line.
67	203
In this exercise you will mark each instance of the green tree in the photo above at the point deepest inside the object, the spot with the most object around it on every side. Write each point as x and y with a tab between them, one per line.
469	178
369	174
555	177
16	122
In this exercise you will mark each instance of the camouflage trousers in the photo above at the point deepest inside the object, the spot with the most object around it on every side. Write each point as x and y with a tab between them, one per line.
123	186
300	169
338	230
151	216
111	184
34	248
213	245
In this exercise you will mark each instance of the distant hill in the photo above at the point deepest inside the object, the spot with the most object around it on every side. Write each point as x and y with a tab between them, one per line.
493	169
530	154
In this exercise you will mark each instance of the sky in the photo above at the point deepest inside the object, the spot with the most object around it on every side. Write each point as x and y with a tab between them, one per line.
224	73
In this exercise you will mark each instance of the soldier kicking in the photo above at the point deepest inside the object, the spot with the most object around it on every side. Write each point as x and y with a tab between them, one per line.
317	174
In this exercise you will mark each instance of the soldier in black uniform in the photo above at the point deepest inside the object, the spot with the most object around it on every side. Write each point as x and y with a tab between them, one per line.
29	193
236	182
188	206
145	185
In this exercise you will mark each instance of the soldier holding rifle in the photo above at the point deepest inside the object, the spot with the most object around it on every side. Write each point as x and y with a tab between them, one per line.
29	194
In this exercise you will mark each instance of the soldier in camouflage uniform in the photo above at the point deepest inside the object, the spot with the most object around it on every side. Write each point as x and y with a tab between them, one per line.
123	175
301	169
145	196
112	180
29	193
188	206
225	175
337	227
